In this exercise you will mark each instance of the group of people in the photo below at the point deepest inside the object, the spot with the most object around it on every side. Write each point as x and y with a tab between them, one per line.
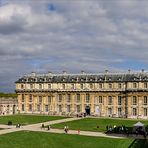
122	129
48	127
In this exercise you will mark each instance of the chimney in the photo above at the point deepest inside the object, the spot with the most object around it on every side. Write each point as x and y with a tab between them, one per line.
64	72
106	71
49	72
82	71
33	74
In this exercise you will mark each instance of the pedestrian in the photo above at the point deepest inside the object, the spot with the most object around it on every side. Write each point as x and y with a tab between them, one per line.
43	125
78	131
48	128
65	129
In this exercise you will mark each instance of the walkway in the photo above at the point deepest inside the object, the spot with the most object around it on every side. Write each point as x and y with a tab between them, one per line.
37	127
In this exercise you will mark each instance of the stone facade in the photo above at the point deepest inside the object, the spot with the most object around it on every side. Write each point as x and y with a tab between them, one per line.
104	94
8	105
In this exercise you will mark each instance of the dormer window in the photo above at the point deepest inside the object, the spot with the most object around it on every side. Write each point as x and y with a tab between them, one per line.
109	79
49	79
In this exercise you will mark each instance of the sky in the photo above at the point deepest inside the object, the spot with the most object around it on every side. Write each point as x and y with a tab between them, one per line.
71	35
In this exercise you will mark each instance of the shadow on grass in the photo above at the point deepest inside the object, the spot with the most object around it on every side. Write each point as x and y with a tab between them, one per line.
139	143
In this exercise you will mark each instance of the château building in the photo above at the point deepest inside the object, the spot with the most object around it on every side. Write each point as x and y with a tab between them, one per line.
103	94
8	104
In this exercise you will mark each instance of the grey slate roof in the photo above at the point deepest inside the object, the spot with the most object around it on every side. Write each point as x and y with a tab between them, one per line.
83	78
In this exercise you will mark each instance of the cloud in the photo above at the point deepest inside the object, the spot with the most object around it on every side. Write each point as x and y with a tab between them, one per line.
71	35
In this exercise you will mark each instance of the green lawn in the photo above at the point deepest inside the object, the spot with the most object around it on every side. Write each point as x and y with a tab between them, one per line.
26	139
27	119
90	124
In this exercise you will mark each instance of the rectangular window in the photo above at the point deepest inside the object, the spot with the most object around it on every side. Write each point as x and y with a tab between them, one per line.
30	107
46	108
145	100
72	86
68	98
134	85
134	100
49	99
145	111
63	86
31	86
82	86
22	86
30	98
119	100
91	86
110	101
49	86
68	108
40	86
23	98
78	108
119	86
145	85
78	98
100	99
23	108
100	85
87	98
60	97
40	99
134	111
109	111
38	108
60	108
110	85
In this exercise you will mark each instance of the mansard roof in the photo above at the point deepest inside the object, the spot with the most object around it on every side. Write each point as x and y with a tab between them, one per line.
83	78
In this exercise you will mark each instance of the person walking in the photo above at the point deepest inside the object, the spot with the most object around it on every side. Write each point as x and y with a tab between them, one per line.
48	128
65	129
78	131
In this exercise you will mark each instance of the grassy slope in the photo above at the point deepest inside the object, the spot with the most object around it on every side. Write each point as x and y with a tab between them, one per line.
90	124
27	119
26	139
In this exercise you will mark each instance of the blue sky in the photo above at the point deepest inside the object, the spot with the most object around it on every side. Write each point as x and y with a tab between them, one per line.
68	35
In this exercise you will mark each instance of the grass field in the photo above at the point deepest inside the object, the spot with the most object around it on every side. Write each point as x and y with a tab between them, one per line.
27	119
26	139
90	124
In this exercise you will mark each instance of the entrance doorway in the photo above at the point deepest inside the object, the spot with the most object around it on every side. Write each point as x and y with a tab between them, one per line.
87	110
